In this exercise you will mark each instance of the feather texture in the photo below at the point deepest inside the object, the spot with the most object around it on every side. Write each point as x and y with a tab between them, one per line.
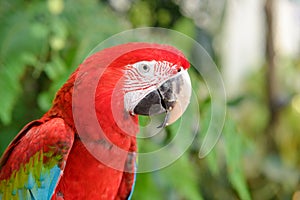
48	159
34	161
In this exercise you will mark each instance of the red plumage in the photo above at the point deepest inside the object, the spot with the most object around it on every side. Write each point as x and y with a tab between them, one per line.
84	176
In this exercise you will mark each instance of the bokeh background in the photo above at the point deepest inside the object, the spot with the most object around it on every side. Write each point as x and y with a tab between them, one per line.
256	45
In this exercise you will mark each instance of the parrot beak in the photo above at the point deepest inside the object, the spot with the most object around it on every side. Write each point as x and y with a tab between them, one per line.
171	97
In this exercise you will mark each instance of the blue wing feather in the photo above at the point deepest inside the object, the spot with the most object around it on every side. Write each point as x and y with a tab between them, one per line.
35	161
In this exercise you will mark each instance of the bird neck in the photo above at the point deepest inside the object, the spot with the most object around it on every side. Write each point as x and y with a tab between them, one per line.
62	103
108	105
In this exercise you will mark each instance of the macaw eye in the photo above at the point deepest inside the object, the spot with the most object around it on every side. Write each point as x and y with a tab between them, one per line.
144	68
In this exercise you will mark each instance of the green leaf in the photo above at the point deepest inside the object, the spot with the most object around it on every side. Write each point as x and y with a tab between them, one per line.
212	162
146	188
45	101
234	148
141	14
182	176
10	89
56	68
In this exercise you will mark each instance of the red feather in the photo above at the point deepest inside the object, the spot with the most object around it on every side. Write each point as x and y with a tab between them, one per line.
85	177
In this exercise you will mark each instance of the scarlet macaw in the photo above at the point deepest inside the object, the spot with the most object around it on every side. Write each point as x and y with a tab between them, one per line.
48	158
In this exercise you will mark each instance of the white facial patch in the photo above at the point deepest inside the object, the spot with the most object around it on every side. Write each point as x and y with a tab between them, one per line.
143	77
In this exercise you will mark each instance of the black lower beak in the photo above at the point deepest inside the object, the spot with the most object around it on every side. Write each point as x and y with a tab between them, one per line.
151	104
161	100
172	97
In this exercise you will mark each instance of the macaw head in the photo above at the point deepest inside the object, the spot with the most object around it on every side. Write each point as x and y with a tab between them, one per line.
132	79
157	83
155	80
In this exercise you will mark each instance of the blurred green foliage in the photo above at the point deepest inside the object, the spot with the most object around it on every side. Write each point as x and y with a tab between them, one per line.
42	42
